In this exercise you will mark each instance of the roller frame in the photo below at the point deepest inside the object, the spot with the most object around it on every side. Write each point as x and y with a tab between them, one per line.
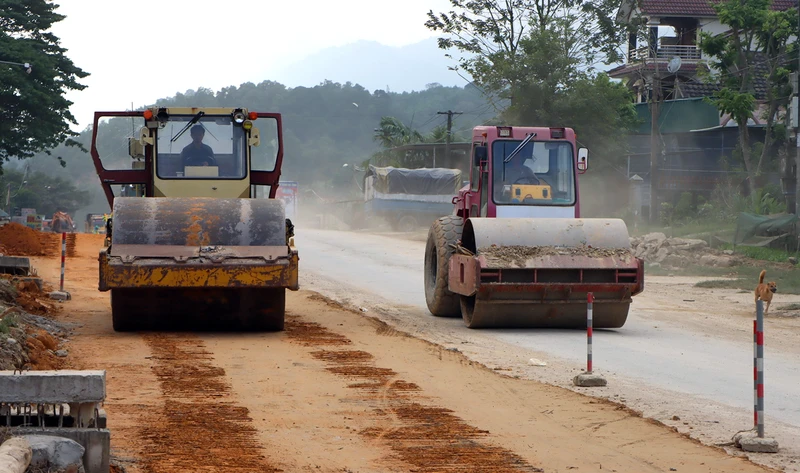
471	275
531	294
259	269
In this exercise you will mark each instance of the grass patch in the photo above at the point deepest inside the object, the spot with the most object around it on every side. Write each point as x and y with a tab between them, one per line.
693	270
794	306
688	230
743	278
761	253
747	277
720	284
6	323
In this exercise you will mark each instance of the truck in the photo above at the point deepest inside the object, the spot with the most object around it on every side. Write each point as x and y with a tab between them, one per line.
409	199
95	223
288	192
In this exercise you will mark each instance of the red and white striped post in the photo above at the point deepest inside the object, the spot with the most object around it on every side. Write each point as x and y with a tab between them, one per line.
63	257
590	302
758	368
589	379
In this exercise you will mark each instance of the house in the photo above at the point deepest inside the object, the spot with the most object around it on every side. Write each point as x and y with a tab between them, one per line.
694	137
676	58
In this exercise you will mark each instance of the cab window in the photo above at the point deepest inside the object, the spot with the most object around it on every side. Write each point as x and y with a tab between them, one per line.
210	148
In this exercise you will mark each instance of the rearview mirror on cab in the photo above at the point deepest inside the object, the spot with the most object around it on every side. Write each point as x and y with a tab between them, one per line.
480	154
583	160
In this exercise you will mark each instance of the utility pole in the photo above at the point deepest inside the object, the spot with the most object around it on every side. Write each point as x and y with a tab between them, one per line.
789	178
796	124
449	114
655	142
655	146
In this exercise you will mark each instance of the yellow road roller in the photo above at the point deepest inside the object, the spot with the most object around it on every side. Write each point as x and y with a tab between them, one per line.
197	238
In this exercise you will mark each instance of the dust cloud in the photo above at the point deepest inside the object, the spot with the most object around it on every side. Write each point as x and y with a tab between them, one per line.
605	195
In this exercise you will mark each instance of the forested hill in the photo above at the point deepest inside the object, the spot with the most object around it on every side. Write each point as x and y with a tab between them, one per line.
324	127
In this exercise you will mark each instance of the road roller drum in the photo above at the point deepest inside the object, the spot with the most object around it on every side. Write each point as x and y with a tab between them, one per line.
214	261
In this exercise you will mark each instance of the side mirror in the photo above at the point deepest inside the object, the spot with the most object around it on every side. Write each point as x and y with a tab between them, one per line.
480	154
144	137
255	137
135	148
583	160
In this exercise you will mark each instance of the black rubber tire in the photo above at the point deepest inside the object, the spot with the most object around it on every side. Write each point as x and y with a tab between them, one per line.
406	223
122	318
263	310
198	309
444	232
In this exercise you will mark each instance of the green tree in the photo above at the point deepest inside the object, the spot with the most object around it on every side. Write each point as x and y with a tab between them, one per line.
493	34
758	39
541	54
391	133
557	92
34	114
439	135
39	191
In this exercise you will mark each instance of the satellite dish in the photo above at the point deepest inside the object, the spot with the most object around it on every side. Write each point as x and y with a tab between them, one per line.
674	64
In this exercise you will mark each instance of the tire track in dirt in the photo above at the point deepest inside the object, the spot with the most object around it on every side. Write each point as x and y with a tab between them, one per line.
199	429
429	438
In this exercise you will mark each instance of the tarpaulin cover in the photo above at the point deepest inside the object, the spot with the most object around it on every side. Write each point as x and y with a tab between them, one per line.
761	230
424	181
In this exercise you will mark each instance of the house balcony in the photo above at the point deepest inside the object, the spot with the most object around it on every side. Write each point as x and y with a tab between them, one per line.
685	52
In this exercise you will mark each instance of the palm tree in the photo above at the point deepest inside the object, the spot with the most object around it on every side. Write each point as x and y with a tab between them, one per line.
392	133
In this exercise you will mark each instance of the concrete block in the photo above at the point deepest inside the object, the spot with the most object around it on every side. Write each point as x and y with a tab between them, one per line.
96	444
752	443
15	265
587	380
56	452
74	416
53	387
60	295
36	280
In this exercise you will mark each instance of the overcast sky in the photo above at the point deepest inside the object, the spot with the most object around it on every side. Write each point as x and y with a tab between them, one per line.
139	51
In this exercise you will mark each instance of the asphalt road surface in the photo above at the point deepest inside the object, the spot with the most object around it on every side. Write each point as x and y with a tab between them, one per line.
681	344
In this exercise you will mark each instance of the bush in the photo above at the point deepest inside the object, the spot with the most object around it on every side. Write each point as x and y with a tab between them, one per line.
684	209
6	323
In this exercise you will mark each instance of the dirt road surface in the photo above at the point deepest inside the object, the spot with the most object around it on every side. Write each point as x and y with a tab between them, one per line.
340	391
685	356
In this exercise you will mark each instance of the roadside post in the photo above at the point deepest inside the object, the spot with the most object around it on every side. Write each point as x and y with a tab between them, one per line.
758	443
61	294
588	378
63	259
